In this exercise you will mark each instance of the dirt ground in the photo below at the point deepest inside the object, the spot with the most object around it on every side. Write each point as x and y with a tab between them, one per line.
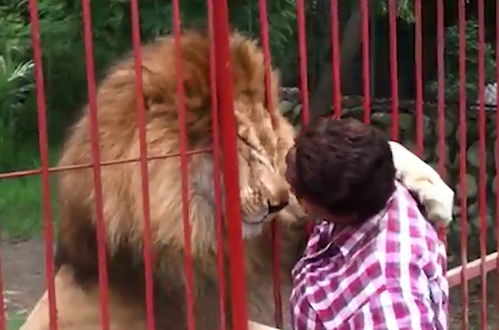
23	274
24	281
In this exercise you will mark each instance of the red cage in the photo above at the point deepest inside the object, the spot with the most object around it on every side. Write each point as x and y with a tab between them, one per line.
224	134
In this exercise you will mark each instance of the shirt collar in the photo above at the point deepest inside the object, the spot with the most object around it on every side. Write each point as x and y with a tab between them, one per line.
345	242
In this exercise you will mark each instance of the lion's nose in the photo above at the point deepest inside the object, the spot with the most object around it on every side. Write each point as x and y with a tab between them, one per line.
274	208
278	195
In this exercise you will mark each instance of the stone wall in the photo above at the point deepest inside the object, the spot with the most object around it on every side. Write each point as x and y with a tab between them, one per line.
381	117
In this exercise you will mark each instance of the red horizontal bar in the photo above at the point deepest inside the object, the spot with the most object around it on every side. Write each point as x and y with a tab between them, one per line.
472	269
18	174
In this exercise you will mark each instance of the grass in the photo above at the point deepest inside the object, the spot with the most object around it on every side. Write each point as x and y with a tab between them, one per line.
20	198
21	207
15	321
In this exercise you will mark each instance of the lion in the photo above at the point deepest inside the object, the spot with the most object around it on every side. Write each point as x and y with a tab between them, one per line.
263	139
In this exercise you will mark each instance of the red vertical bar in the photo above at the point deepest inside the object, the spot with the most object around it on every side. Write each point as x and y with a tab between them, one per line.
216	169
497	146
441	88
264	36
441	146
392	15
482	154
44	159
276	274
335	59
2	305
366	71
230	165
141	125
183	164
94	136
462	160
418	56
302	46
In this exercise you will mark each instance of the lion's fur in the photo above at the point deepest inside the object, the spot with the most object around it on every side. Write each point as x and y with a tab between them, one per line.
262	146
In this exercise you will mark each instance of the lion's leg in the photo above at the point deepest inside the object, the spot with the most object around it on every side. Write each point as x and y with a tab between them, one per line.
80	310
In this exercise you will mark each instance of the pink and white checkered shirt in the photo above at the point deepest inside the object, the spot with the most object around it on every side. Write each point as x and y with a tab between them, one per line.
387	273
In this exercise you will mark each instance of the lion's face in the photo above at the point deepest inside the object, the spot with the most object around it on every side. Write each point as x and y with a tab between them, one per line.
264	190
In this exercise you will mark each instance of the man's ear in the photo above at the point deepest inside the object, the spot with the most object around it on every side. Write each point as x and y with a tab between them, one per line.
419	177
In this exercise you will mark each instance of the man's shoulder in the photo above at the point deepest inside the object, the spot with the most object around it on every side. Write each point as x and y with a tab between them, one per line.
410	239
405	210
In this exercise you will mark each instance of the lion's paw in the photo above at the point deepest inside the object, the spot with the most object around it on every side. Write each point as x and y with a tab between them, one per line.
420	178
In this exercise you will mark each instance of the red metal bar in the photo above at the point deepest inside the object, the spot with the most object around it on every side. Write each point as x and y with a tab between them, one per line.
302	45
418	58
18	174
2	305
44	160
441	89
441	144
267	59
392	16
94	137
276	274
335	59
473	269
497	146
230	165
276	253
144	173
216	170
462	160
482	154
366	70
182	121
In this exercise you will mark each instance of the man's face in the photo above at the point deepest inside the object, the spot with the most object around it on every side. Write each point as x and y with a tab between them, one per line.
309	208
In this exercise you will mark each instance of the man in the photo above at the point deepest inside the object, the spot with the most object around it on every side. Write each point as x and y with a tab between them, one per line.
372	261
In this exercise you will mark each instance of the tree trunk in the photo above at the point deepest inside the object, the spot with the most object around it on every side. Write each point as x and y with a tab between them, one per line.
320	99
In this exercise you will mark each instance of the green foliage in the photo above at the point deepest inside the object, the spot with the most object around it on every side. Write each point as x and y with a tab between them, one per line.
64	73
452	63
405	9
15	79
20	198
63	52
283	33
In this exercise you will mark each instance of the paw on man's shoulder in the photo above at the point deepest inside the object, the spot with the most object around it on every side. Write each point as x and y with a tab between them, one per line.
428	186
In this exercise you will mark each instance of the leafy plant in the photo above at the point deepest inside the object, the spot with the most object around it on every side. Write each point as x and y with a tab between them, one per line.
405	9
16	81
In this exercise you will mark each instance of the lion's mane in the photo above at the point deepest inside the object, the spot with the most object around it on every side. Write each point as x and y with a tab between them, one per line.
264	141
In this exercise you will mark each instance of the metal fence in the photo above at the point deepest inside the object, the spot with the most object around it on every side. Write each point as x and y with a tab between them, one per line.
224	137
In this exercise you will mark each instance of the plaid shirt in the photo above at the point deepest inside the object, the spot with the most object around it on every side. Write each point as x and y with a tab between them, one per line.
387	273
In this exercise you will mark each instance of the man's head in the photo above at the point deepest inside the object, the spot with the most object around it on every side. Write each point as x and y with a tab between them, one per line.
341	169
